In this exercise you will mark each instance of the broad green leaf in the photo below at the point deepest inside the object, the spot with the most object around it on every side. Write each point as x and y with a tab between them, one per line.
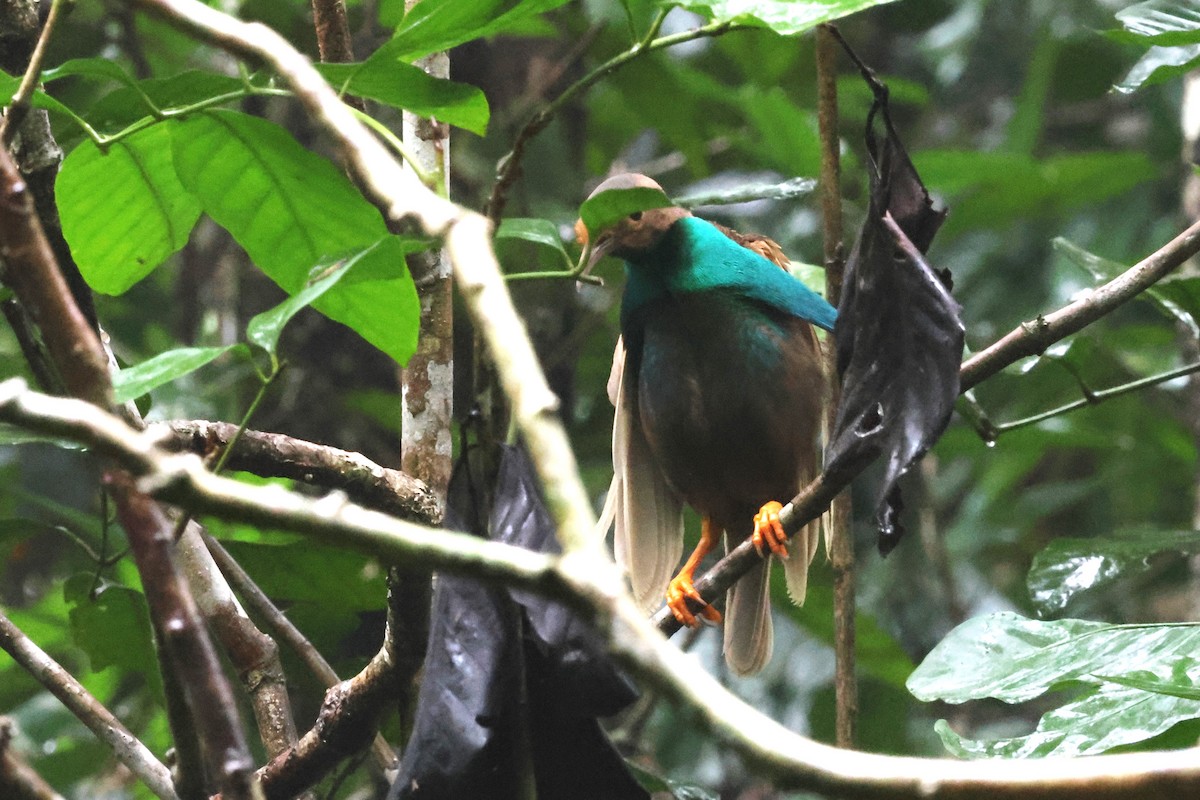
264	329
605	209
308	572
133	382
12	435
1161	22
1103	270
1111	716
434	25
1015	659
292	210
1159	65
113	628
124	212
1067	567
1181	291
787	134
401	85
782	16
89	67
538	231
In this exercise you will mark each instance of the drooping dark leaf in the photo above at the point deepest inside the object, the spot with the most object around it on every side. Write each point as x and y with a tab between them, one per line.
482	642
464	740
899	335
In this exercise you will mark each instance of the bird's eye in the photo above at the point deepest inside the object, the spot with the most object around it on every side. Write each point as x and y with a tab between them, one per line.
635	216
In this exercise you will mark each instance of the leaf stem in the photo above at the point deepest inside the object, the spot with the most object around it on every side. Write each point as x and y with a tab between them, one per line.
19	105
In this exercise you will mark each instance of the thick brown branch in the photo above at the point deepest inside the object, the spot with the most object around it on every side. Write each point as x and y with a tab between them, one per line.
275	455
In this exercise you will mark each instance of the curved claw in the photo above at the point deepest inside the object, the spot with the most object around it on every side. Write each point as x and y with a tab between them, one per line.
679	591
768	530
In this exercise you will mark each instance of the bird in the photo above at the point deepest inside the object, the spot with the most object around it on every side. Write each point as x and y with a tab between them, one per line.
719	385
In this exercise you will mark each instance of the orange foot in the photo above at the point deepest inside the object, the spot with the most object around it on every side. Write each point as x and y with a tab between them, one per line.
768	530
679	591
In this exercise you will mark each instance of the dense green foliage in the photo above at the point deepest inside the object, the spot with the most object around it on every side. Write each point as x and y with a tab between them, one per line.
1049	563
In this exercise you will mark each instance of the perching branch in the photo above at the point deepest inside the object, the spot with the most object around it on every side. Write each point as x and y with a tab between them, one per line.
790	760
18	780
127	748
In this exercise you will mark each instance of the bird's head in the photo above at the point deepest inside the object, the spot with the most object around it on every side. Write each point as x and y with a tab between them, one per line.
634	233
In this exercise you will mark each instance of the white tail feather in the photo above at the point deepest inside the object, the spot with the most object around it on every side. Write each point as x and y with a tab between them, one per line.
646	514
748	634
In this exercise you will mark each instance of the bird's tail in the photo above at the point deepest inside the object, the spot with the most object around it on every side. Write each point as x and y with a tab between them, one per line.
748	634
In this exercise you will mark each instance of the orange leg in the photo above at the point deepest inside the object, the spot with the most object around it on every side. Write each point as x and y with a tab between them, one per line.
681	588
769	531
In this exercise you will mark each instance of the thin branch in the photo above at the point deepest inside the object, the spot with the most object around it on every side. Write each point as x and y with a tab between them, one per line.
1095	397
98	719
510	165
790	760
841	540
276	455
18	780
182	634
1033	337
19	105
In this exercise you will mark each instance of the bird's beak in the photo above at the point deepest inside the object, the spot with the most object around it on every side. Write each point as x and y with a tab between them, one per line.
593	251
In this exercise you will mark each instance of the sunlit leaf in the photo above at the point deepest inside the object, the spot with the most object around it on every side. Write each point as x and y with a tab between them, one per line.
1159	65
781	16
292	210
133	382
538	231
401	85
124	211
786	190
659	786
434	25
1015	659
1068	567
126	105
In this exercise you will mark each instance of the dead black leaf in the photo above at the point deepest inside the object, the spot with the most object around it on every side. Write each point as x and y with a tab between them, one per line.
899	332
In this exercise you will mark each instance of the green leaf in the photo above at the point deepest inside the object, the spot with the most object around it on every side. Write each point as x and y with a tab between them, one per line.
127	105
782	16
1159	65
434	25
1015	659
1067	567
604	210
124	212
291	210
395	83
89	67
1185	689
1161	22
133	382
538	231
1104	270
113	628
308	572
265	328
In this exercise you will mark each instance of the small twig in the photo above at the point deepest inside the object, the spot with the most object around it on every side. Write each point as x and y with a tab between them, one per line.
98	719
20	104
18	780
510	164
1096	397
